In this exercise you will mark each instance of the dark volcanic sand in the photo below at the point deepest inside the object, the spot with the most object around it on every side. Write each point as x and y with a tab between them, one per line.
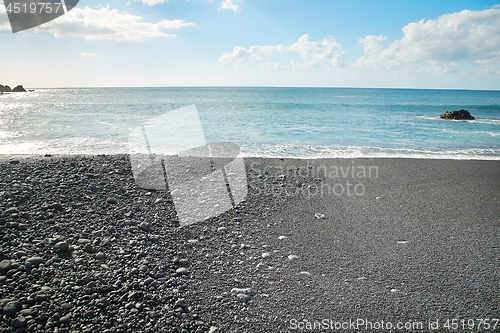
413	243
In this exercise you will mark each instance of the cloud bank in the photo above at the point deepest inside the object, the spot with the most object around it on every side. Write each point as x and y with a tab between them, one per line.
105	24
463	36
313	53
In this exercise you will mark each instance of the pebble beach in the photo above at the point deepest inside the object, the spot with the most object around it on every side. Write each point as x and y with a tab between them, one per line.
84	249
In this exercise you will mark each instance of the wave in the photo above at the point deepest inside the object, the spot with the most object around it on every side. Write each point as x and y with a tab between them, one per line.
317	152
476	121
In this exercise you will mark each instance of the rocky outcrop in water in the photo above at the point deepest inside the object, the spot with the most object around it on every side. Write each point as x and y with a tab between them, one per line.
457	115
19	88
6	88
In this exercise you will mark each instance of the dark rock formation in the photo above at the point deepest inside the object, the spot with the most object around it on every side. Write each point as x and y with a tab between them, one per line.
457	115
5	88
19	88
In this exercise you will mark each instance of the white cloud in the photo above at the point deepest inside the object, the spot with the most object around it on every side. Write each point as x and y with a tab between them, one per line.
4	19
152	2
313	53
441	43
228	4
107	24
269	66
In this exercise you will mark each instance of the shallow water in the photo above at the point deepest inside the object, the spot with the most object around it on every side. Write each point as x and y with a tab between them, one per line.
266	122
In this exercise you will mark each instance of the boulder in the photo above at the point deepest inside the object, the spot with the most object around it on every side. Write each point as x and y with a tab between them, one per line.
457	115
19	88
5	88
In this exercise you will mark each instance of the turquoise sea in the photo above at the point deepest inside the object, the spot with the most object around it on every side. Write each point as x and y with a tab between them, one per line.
268	122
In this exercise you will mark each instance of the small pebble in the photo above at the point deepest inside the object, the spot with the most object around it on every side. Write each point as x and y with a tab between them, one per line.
145	226
5	265
35	261
100	256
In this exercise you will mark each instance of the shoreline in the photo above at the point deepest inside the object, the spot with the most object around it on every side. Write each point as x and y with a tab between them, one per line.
8	157
419	244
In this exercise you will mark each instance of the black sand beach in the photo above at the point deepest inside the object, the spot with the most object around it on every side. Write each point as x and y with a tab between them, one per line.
405	244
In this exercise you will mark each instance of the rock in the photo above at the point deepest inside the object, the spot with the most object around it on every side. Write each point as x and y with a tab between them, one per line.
65	318
262	266
66	306
19	322
266	255
40	297
282	237
11	308
35	261
319	216
89	315
11	210
180	303
5	265
56	206
112	201
100	256
61	247
222	229
243	297
88	248
182	271
19	88
5	88
457	115
29	312
145	226
246	291
292	257
176	193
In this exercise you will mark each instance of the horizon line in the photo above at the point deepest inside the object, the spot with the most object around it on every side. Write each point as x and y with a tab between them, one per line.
256	86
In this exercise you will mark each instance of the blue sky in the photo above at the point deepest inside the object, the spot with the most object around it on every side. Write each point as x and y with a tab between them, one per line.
424	44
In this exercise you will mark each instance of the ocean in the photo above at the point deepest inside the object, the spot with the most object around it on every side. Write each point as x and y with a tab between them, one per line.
264	122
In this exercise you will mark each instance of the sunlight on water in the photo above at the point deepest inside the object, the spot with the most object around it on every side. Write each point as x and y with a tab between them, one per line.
270	122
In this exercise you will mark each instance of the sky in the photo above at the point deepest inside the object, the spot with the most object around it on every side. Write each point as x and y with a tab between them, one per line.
149	43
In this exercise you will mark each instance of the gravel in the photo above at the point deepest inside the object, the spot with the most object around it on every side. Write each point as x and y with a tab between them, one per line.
71	267
83	249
